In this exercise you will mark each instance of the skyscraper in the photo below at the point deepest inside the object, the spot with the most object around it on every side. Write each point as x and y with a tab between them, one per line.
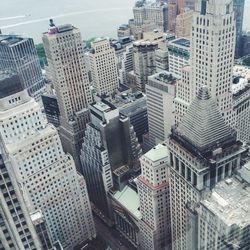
184	23
153	190
211	61
64	51
180	5
239	13
103	64
46	174
172	13
144	62
160	92
110	142
203	151
17	230
222	220
19	54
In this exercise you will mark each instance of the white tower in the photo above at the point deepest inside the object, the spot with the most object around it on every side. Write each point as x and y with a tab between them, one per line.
212	56
153	189
46	174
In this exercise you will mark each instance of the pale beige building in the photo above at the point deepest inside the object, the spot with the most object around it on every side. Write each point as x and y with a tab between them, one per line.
103	64
184	23
65	55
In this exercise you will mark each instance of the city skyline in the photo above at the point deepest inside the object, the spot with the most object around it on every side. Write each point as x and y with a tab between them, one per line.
140	141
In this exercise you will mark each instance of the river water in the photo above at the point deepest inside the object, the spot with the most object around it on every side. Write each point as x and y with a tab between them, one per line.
93	17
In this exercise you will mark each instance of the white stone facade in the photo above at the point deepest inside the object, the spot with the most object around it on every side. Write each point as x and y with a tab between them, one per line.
46	174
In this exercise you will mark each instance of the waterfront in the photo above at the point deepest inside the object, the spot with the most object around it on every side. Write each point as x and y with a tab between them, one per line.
93	17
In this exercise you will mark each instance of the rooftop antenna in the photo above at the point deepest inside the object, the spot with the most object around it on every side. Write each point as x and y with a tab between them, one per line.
51	23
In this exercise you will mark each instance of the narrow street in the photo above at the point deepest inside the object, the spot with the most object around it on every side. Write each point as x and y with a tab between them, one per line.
111	236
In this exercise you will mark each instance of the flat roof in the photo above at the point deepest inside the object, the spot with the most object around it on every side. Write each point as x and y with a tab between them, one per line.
230	201
8	40
157	153
181	41
130	200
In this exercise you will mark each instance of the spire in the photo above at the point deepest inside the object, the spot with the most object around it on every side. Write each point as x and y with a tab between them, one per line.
203	125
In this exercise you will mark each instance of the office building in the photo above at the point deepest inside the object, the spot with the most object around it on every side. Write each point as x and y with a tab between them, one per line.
51	109
190	4
241	101
246	43
184	23
211	67
222	220
19	54
178	55
65	55
47	175
144	62
154	195
134	106
155	13
203	151
160	92
161	60
180	5
103	151
172	13
127	215
104	71
126	64
17	230
238	14
123	31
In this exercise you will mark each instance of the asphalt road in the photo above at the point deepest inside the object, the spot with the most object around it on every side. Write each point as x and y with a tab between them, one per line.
111	236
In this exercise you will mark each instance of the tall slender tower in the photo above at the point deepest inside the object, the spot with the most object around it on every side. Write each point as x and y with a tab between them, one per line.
19	54
212	56
46	174
153	189
64	51
203	151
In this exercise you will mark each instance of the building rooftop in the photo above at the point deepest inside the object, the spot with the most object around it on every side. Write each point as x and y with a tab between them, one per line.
9	84
157	153
102	107
130	200
165	77
230	201
9	40
181	42
203	126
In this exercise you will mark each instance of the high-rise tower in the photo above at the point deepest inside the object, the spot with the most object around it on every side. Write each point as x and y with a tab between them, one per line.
103	65
64	52
46	174
19	54
110	142
239	13
203	151
212	56
17	230
153	190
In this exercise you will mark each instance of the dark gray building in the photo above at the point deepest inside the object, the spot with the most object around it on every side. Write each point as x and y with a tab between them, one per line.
19	54
134	106
109	143
239	13
51	109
